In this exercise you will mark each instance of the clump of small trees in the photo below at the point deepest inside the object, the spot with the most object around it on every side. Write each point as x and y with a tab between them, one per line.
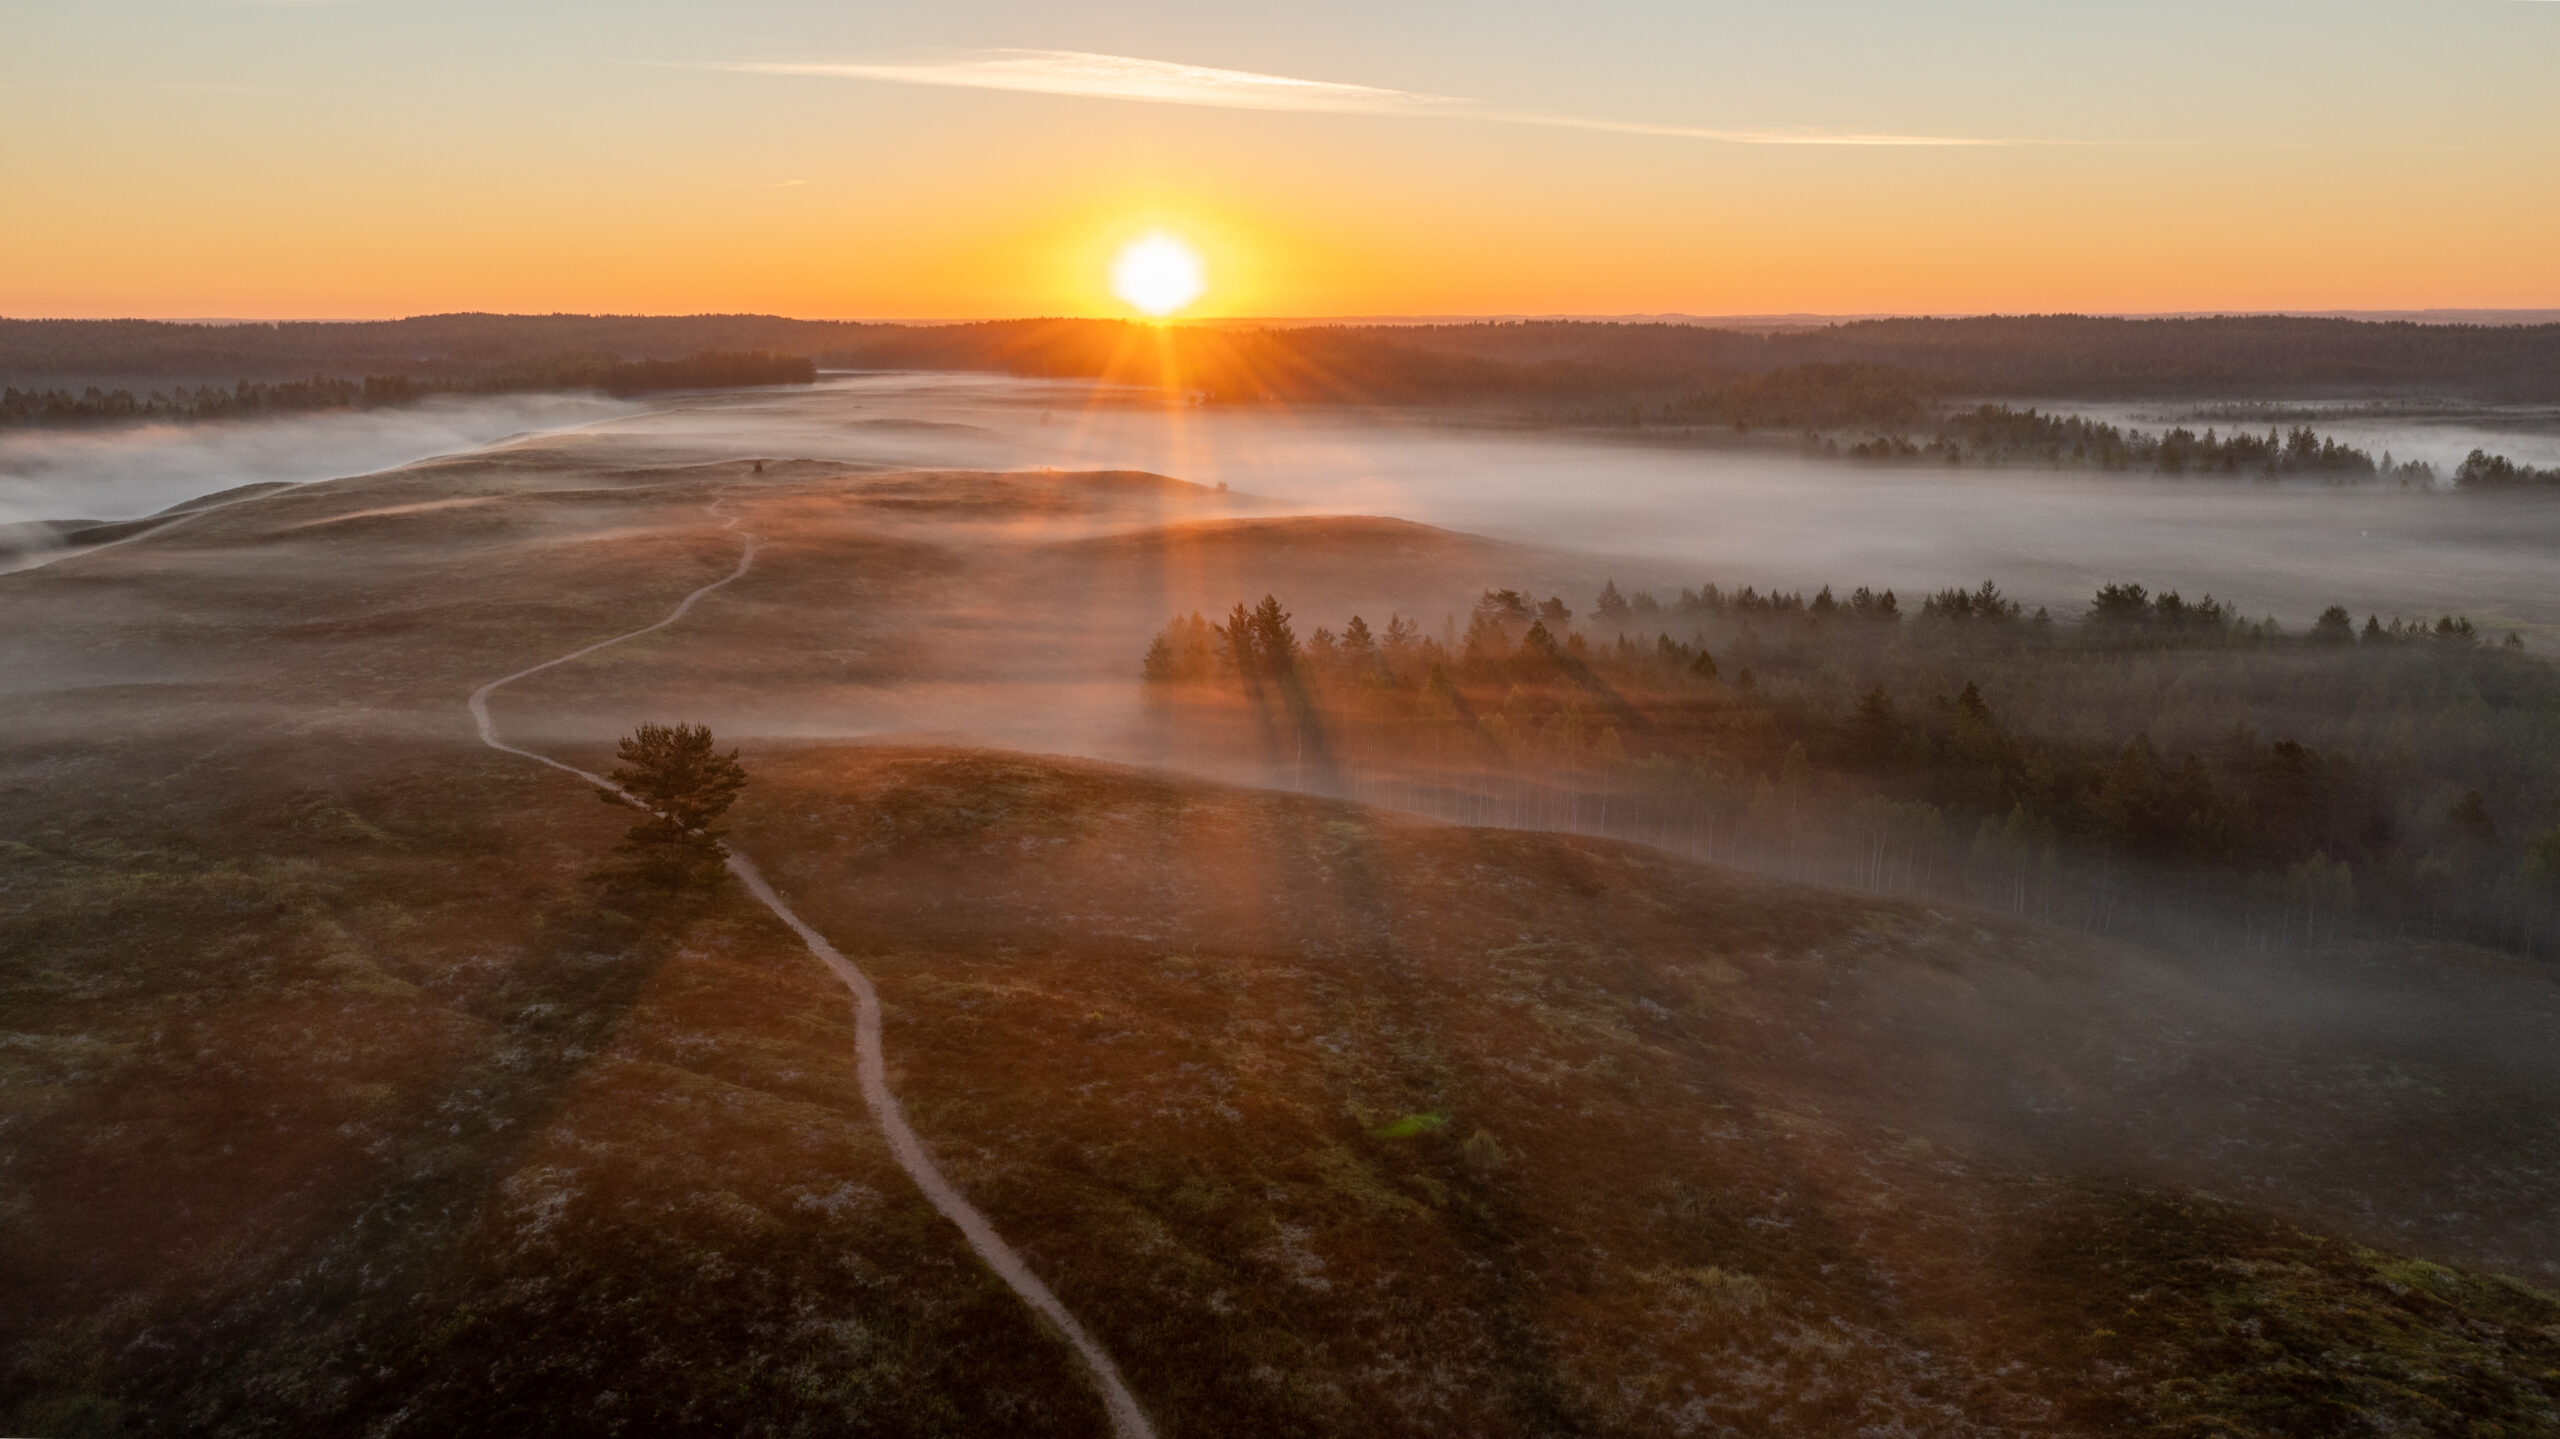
682	785
1998	435
2481	470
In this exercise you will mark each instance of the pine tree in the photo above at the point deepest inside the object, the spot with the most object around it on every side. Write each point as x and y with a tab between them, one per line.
1875	726
683	785
1359	647
1275	644
1238	653
1611	608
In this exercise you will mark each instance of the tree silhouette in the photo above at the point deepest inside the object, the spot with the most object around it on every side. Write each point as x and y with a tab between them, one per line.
1257	645
1182	652
1874	727
1359	647
1612	608
683	786
1275	643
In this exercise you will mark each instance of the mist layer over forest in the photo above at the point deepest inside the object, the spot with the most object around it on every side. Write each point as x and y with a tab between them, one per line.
2438	435
1677	516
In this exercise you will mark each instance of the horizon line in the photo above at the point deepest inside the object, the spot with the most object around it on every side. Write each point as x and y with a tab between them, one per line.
2448	314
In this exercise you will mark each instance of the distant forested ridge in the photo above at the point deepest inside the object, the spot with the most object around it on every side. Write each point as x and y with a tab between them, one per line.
1901	390
2079	356
2058	356
706	370
428	347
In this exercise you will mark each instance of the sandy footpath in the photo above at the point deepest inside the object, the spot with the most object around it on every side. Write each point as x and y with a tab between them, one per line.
1127	1419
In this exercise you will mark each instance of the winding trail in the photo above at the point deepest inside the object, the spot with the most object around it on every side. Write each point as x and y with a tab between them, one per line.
1128	1421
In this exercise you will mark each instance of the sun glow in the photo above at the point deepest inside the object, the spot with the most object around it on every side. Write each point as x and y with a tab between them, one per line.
1158	274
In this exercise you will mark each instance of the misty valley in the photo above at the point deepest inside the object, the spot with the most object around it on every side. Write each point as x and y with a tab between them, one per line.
1497	880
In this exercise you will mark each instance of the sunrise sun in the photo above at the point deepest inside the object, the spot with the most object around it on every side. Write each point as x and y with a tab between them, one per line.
1158	274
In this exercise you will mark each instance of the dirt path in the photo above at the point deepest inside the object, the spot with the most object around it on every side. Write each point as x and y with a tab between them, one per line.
1128	1421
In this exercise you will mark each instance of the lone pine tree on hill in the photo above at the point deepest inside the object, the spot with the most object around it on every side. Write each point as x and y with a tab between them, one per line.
683	786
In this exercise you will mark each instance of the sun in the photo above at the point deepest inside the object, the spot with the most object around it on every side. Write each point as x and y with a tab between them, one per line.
1159	274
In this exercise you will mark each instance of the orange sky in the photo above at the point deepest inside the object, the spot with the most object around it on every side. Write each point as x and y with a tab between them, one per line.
227	158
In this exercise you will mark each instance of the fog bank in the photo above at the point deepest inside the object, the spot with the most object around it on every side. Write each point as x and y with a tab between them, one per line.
1667	513
126	471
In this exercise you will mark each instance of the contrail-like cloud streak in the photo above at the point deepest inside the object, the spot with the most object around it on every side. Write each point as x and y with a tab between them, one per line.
1163	82
1122	77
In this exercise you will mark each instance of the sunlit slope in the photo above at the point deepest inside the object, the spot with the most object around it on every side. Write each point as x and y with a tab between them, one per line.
385	593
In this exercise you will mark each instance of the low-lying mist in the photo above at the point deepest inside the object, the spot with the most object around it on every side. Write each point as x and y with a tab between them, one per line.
127	471
1660	511
1669	512
2437	432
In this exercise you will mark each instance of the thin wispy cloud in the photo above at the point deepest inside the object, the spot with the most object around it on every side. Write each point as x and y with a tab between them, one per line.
1163	82
1122	77
1741	137
208	87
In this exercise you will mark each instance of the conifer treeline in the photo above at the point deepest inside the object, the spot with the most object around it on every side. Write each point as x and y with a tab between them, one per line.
1967	748
2484	471
2021	355
708	370
1999	435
